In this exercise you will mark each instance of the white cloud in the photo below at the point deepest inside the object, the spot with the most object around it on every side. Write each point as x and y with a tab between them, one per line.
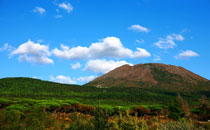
76	65
6	47
140	41
174	36
39	10
107	47
33	52
186	54
138	28
66	6
58	16
140	53
86	79
103	66
35	59
165	43
69	80
62	79
37	77
169	41
157	58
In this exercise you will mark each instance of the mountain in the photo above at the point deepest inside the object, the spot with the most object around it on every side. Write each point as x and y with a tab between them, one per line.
152	75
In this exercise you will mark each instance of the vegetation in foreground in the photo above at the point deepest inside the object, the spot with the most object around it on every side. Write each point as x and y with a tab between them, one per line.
69	115
34	104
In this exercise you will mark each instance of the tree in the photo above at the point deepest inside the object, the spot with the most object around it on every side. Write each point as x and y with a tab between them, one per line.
175	110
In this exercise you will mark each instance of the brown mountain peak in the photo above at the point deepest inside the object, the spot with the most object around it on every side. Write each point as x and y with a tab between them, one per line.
147	75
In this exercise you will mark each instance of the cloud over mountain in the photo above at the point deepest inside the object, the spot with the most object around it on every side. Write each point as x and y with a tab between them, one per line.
105	48
62	79
103	66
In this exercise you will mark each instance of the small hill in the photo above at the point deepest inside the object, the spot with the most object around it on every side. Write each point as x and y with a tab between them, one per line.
152	75
21	86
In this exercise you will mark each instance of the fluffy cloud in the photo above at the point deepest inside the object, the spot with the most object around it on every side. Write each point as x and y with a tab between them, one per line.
186	54
33	52
86	79
66	6
140	53
138	28
169	41
103	66
39	10
107	47
6	47
76	65
62	79
69	80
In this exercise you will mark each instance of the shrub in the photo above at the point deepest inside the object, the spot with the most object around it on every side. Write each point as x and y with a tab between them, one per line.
142	125
100	120
17	107
204	109
47	105
116	111
80	122
180	125
82	108
86	109
141	111
38	120
175	110
184	106
10	120
33	120
128	122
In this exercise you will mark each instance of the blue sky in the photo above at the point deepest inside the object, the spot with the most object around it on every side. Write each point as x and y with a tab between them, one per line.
74	41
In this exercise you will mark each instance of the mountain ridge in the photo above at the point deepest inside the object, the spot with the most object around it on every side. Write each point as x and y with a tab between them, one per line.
148	75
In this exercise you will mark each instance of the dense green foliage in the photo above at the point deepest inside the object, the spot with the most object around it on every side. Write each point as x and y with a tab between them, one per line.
175	110
33	120
120	96
33	104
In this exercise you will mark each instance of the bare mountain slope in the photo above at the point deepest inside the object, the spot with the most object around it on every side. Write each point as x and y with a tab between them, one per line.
150	75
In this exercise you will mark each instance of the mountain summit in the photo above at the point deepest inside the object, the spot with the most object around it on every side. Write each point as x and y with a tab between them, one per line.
151	75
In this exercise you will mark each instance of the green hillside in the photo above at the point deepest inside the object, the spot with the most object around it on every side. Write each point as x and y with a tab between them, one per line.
117	96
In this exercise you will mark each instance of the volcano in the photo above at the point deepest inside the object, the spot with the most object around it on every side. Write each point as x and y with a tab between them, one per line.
152	75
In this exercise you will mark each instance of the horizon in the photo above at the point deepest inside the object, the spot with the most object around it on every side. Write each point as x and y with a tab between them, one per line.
75	41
